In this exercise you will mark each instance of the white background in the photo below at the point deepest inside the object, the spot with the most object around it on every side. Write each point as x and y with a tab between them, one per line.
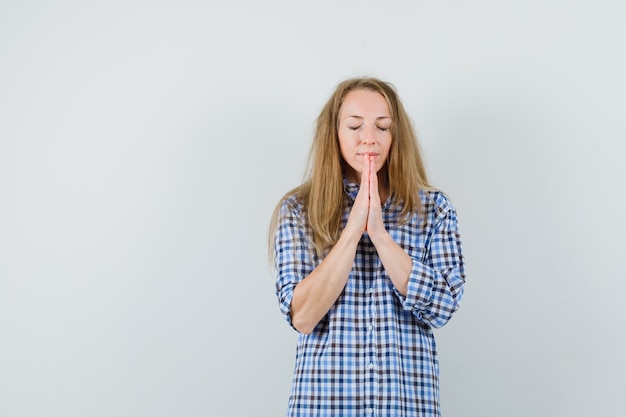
143	145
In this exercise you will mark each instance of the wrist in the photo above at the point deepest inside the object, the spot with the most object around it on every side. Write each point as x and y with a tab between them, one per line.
350	236
380	237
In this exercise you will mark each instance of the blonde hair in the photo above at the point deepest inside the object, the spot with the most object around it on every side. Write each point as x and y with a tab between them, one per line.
322	193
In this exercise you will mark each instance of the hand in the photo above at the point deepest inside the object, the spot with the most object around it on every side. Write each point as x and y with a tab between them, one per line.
375	224
357	221
366	214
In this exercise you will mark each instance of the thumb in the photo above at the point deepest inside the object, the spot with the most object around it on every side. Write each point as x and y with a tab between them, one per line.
365	175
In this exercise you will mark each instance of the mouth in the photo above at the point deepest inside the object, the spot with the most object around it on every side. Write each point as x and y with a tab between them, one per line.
367	154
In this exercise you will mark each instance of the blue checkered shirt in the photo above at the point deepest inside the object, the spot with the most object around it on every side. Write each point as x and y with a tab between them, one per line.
374	353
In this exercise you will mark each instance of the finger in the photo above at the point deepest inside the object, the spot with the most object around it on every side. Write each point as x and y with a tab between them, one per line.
364	191
359	212
374	219
365	174
373	180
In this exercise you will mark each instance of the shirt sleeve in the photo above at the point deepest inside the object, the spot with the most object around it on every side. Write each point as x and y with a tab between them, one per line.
435	286
291	254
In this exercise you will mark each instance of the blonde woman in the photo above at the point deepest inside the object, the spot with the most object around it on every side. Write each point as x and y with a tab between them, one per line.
368	260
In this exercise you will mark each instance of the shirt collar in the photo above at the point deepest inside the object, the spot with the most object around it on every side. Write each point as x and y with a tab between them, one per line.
350	188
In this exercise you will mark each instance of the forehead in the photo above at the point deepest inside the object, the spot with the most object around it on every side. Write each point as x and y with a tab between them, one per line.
362	103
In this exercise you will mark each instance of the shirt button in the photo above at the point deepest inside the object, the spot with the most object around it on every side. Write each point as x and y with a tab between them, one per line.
370	328
370	411
371	366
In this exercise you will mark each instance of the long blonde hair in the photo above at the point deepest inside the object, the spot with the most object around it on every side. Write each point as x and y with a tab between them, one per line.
322	193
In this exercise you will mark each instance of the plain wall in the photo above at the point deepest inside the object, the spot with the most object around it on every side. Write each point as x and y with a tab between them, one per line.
144	144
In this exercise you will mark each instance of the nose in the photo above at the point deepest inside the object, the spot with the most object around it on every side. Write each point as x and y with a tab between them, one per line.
368	135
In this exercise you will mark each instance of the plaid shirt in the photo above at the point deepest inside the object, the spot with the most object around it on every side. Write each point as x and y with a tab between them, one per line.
373	353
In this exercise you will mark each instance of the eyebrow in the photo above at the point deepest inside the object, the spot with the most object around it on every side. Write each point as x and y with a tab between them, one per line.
361	117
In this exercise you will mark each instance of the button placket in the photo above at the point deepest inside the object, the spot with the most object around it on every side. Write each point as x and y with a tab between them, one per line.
370	363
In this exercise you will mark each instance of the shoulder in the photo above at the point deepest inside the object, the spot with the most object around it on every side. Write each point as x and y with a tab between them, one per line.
436	204
291	206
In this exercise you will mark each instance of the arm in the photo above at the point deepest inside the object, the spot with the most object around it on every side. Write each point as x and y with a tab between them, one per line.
316	294
307	293
431	288
395	260
435	283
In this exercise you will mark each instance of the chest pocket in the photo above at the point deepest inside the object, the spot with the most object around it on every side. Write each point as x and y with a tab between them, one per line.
415	252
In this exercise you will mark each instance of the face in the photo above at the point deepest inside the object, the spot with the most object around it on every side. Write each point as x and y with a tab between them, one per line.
364	130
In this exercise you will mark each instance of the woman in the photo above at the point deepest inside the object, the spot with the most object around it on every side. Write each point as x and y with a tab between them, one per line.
368	260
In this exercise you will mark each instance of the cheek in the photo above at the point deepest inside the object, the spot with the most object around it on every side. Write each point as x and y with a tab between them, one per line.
342	148
346	146
386	152
388	146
